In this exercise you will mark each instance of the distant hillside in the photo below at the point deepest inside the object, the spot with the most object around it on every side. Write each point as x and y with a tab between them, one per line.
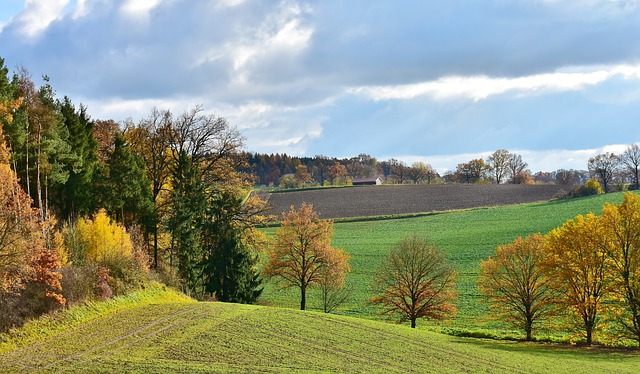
406	199
218	337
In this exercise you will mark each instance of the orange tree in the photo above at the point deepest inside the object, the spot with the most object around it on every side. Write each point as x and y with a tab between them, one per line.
579	269
515	283
415	282
301	249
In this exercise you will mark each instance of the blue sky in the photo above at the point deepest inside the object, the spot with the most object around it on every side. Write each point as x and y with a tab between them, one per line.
557	81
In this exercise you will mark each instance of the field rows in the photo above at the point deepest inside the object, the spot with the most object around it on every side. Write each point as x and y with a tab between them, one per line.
366	201
218	337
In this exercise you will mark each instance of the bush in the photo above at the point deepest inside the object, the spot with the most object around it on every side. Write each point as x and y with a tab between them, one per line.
592	187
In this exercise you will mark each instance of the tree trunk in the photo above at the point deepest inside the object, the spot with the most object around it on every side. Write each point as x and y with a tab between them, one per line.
303	297
413	323
589	330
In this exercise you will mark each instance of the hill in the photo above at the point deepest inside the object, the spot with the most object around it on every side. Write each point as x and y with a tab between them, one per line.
365	201
467	237
217	337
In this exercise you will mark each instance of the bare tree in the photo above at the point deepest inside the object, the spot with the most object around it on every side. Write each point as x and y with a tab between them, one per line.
604	167
415	282
631	161
517	169
499	164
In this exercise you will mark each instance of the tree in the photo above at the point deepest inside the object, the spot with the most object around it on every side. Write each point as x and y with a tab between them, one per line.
302	175
499	164
127	190
26	263
631	161
471	172
300	249
515	282
419	171
231	269
337	172
621	242
604	167
150	139
578	267
415	282
518	170
331	280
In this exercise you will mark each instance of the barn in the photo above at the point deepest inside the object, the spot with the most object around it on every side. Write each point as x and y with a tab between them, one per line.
373	181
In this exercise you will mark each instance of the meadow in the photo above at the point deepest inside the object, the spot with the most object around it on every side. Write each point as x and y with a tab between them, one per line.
467	237
172	335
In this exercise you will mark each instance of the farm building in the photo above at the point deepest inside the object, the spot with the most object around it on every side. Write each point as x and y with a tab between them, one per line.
367	181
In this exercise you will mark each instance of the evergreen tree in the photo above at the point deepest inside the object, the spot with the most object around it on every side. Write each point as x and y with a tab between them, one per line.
126	189
230	269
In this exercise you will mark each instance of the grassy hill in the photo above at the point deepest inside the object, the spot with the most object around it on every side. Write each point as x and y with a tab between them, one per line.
169	336
467	236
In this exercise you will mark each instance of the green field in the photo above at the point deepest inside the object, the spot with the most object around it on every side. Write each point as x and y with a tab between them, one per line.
467	237
165	336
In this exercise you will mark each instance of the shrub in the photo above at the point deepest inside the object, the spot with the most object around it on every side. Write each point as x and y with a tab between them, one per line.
592	187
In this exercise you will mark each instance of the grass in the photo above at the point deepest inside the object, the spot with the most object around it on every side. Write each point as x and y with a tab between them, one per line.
217	337
467	236
62	321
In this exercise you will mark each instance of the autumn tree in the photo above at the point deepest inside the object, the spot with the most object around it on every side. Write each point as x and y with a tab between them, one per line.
337	173
150	139
621	242
332	277
515	282
25	261
471	172
578	266
302	175
301	248
419	171
415	281
604	167
631	161
498	163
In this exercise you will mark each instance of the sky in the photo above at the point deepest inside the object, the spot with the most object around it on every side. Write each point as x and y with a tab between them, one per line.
444	82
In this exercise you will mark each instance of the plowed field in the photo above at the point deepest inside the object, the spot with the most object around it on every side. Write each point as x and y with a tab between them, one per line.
368	201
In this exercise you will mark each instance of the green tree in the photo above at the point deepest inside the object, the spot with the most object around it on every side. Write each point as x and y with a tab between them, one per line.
127	190
231	268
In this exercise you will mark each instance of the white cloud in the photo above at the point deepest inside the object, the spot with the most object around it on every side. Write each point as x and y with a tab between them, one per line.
38	15
481	87
138	9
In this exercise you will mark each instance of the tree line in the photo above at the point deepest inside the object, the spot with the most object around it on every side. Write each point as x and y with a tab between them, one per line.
582	275
92	208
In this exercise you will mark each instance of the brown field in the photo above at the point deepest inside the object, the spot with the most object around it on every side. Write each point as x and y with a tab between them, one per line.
365	201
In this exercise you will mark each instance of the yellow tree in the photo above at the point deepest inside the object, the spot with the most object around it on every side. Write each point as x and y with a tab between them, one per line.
332	276
416	282
621	224
515	283
578	268
300	249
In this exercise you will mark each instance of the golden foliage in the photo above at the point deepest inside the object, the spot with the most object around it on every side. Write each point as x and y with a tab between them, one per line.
107	241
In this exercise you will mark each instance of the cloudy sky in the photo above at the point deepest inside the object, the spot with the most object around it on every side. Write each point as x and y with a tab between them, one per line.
557	81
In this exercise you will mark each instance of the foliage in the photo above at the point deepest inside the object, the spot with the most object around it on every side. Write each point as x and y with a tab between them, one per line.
331	279
515	283
604	167
231	268
579	269
621	242
591	187
415	282
301	248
